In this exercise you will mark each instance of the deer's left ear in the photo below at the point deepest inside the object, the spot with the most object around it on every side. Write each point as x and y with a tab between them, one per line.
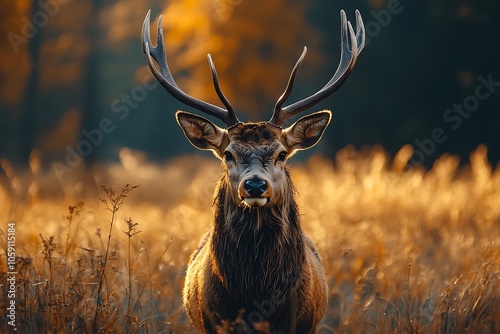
307	131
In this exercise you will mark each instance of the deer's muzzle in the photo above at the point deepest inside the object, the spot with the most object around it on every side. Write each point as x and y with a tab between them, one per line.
255	191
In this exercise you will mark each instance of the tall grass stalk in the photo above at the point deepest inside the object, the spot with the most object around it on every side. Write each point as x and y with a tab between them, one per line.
114	204
131	231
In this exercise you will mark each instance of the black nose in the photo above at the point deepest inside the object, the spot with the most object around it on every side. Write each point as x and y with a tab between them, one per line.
255	187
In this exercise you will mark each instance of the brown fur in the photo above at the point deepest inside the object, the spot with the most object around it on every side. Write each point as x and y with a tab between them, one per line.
255	271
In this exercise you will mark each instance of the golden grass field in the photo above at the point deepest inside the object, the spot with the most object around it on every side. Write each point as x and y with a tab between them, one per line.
405	251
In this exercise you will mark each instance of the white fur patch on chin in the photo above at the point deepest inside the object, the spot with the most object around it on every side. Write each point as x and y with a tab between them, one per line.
255	201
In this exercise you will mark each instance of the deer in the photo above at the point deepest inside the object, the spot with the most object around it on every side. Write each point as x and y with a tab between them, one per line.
255	270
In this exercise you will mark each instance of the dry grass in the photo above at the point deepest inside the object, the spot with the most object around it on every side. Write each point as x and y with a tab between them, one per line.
404	251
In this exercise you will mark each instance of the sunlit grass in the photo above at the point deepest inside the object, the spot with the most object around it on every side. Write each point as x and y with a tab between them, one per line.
405	251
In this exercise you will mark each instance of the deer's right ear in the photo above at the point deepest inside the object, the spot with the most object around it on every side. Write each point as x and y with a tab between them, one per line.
307	131
202	133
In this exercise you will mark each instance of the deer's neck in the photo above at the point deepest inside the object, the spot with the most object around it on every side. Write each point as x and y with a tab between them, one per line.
258	251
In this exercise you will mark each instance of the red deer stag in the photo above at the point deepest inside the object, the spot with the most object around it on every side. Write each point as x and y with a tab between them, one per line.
255	271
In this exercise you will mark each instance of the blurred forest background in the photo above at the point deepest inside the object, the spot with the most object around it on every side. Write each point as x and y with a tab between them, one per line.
72	69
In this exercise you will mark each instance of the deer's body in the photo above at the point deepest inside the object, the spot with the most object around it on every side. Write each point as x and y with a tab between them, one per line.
255	271
255	267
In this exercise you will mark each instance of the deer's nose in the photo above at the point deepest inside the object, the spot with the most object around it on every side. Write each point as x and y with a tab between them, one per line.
255	187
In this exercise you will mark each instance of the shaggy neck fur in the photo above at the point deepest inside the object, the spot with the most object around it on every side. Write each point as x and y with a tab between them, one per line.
259	252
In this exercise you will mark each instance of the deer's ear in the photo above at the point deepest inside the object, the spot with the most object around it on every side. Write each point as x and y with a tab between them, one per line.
307	131
202	133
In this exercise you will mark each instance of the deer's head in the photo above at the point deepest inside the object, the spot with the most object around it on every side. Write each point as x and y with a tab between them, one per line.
255	154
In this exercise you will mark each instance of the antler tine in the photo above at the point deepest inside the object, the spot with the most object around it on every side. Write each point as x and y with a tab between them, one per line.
230	110
352	45
360	32
164	76
288	90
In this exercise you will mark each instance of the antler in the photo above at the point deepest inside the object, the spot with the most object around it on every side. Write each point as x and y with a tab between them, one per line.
352	45
164	76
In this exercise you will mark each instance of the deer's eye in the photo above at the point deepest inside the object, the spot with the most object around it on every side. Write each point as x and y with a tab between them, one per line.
282	156
228	156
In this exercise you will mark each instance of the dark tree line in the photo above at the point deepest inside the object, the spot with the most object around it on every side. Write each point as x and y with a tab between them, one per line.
417	82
